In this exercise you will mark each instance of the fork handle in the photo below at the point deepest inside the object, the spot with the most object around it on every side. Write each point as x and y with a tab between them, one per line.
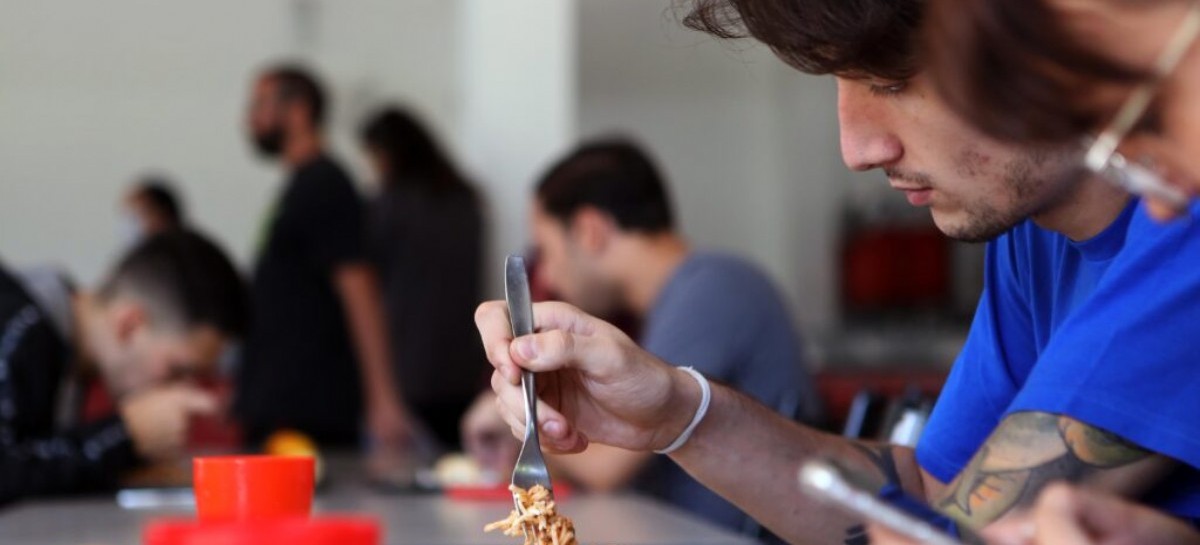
529	387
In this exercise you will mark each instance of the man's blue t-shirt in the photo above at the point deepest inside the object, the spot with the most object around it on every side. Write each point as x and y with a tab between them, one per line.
1106	331
722	316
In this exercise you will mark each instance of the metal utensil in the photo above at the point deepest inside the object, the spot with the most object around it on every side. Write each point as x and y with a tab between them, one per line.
531	466
824	480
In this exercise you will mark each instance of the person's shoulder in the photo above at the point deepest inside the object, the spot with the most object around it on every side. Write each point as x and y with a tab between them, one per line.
323	180
725	280
724	268
323	170
1144	229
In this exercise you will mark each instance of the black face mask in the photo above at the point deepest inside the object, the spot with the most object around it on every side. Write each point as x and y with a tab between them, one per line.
270	142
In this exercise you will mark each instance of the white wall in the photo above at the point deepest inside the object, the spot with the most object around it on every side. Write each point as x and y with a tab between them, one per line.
749	145
519	99
93	93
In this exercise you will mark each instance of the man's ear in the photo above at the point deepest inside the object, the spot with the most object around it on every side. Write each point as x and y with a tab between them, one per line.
593	229
127	318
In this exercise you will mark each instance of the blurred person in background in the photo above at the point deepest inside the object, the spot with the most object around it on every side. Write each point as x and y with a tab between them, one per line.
162	315
607	241
150	207
317	355
426	241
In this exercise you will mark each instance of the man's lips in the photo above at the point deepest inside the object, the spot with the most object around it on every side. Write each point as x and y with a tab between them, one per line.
917	195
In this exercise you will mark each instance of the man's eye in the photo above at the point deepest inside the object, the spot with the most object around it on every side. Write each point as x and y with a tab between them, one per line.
888	88
182	372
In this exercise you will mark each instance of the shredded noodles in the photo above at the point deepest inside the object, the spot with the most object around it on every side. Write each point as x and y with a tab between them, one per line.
540	523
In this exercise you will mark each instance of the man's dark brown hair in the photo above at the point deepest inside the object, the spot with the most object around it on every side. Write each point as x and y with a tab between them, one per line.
1009	67
850	38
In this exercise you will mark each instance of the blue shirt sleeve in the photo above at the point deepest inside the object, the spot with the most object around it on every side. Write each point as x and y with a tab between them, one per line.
1126	360
984	379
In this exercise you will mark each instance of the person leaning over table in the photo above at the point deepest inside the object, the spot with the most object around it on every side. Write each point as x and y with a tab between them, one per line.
1073	366
1061	70
162	315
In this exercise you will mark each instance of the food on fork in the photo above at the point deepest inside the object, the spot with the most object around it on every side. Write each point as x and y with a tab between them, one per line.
540	523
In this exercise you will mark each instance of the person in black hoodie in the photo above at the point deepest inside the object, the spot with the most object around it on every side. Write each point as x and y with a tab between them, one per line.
164	314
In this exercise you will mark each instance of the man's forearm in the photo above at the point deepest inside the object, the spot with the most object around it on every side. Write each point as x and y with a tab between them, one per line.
750	455
1029	450
85	460
360	298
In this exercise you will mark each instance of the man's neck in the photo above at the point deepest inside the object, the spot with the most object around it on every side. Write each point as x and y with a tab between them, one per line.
654	260
1086	210
301	148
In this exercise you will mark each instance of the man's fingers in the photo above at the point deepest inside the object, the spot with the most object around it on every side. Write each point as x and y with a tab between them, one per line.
558	349
882	536
1061	515
557	315
1014	529
495	331
557	434
196	401
515	423
1162	210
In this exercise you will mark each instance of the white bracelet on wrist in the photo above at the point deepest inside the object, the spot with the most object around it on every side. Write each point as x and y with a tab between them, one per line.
705	399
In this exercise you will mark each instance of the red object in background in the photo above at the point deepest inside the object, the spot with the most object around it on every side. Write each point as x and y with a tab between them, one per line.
342	530
218	432
97	404
253	487
884	267
838	388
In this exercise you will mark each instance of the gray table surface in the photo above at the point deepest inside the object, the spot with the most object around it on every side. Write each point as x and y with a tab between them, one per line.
417	519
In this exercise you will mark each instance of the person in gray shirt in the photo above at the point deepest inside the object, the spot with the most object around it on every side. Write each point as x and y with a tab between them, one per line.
606	241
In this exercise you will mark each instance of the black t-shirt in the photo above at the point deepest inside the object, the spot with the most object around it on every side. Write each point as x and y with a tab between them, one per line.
300	369
36	458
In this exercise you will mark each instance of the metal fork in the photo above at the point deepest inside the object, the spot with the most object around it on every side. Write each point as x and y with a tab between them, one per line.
531	466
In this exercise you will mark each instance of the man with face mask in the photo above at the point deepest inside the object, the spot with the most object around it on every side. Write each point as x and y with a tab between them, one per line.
149	208
163	314
317	354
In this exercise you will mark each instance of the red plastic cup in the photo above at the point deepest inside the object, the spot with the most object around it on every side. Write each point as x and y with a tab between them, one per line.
252	487
339	530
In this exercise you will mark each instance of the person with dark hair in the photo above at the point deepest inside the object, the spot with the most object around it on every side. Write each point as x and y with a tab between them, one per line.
426	241
149	208
607	241
318	354
162	315
1068	72
1118	73
1078	363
